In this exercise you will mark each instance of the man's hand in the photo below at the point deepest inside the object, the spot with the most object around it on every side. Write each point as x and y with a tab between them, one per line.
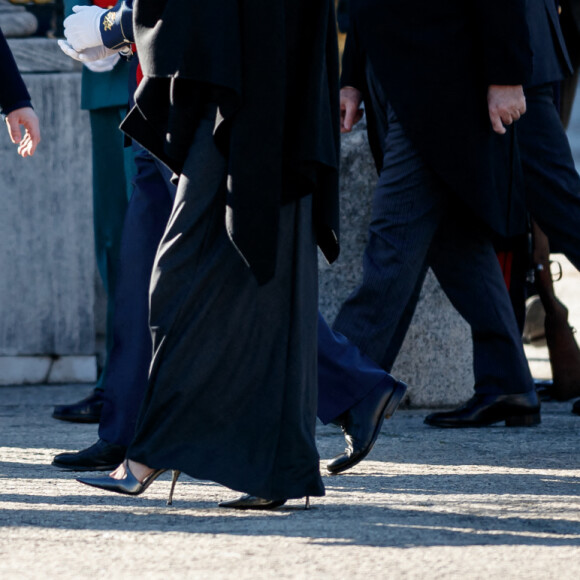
28	119
350	110
82	29
91	54
505	104
104	64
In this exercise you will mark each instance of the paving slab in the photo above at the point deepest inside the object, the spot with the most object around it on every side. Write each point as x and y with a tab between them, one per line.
428	503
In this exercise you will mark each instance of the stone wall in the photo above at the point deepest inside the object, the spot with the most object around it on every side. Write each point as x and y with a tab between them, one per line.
47	265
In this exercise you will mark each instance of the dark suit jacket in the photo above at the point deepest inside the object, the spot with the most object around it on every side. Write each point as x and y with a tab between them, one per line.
434	60
550	57
13	93
570	23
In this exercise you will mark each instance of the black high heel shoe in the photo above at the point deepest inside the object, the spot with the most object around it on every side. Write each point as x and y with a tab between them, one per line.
252	502
130	485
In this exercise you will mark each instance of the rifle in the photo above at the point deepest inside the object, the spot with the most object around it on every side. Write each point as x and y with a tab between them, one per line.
562	347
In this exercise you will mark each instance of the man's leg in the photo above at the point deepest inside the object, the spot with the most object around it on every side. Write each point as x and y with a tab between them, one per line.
126	375
408	204
125	378
467	268
464	261
553	199
552	183
345	375
110	197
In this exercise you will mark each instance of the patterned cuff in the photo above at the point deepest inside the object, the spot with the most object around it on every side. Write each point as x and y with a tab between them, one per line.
116	26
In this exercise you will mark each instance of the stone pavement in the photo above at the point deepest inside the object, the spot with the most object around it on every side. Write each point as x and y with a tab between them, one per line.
427	503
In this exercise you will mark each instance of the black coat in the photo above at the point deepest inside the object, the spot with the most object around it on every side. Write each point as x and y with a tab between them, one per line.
434	60
271	67
570	23
13	93
550	57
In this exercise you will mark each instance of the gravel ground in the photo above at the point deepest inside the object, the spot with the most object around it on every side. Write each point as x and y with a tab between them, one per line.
473	503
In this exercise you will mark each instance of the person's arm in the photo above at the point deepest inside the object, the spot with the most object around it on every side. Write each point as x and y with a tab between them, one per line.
92	26
97	34
13	92
352	83
15	104
506	58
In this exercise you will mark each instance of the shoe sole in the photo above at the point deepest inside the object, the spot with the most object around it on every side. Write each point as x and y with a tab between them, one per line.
85	468
77	419
389	409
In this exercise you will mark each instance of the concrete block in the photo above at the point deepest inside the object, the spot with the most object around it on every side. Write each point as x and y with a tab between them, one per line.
41	55
24	370
47	263
73	369
16	20
436	358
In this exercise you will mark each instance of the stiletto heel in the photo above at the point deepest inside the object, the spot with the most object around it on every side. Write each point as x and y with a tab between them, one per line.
129	485
175	476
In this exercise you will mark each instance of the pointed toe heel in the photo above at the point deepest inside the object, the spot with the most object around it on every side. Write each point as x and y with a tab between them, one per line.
129	485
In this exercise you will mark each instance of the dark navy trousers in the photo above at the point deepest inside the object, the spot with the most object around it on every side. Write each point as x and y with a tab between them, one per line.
126	374
552	182
416	223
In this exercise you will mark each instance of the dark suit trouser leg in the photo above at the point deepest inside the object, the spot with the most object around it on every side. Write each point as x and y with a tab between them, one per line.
466	266
345	375
109	202
409	206
125	379
552	183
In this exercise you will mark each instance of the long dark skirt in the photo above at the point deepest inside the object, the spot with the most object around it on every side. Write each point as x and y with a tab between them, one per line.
232	389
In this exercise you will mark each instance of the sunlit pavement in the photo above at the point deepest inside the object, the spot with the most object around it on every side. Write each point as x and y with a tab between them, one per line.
427	503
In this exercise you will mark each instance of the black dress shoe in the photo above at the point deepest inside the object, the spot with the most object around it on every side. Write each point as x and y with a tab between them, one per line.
101	456
362	423
576	407
518	410
252	502
86	411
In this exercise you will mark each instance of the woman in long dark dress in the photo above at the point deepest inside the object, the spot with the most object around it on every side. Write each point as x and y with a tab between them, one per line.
240	100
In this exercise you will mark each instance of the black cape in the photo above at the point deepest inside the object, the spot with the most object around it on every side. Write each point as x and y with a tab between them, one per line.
272	68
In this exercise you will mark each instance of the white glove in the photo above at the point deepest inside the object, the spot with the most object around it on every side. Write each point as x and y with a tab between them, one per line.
82	29
104	64
88	55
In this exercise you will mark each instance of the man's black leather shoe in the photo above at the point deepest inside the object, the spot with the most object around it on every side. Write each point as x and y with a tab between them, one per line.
86	411
576	407
362	424
518	410
101	456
